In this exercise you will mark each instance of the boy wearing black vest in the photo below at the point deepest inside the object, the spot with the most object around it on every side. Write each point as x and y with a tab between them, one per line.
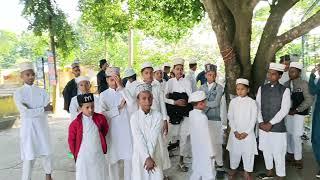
301	101
273	100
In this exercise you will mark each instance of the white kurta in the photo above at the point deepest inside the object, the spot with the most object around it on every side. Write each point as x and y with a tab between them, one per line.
202	149
131	89
119	136
74	107
192	78
91	163
146	129
242	117
34	132
284	78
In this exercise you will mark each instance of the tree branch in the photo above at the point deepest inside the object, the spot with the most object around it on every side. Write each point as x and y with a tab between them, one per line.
303	28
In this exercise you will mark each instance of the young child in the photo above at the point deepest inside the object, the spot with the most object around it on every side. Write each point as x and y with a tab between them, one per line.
242	143
146	126
33	105
214	93
87	141
114	108
202	150
83	83
177	92
131	86
158	76
301	100
273	100
192	74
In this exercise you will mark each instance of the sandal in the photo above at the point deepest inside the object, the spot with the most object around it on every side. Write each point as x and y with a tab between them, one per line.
183	167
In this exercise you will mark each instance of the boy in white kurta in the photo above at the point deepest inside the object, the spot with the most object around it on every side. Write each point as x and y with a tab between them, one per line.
113	106
202	151
33	105
146	126
87	141
83	83
130	87
242	117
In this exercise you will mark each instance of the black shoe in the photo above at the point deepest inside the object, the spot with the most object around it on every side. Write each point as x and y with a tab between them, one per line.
318	175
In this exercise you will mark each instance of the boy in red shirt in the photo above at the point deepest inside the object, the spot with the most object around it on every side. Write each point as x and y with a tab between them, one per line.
87	141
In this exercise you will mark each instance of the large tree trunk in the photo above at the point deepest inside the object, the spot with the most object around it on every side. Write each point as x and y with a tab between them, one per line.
53	50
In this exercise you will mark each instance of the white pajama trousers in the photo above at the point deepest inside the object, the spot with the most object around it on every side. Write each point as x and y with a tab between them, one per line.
182	131
247	159
279	161
28	166
294	146
114	172
295	126
216	135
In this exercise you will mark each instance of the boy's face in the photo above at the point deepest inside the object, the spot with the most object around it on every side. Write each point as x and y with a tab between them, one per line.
178	71
84	86
166	69
112	82
87	109
28	76
273	75
147	75
294	73
211	76
194	68
287	64
145	100
202	105
242	90
158	75
76	71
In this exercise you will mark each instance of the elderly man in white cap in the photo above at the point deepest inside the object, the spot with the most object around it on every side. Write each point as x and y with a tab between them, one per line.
166	71
273	100
146	126
114	107
71	89
33	104
202	149
301	101
177	92
192	74
83	86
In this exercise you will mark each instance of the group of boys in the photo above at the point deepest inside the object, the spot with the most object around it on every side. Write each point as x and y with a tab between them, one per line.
134	123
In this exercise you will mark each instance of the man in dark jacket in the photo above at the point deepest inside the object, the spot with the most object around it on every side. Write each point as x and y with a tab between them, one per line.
71	89
101	76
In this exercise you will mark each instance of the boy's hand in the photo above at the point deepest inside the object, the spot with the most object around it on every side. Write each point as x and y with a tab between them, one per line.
122	105
49	107
293	112
180	102
243	135
118	81
165	128
262	126
268	126
237	135
149	164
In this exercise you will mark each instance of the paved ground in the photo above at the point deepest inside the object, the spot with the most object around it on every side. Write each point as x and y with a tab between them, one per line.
10	164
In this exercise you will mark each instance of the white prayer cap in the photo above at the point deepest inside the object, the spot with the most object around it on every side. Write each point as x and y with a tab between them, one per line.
207	62
129	72
157	69
178	61
277	67
296	65
26	66
82	78
193	61
112	71
242	81
146	65
143	87
166	65
75	64
197	96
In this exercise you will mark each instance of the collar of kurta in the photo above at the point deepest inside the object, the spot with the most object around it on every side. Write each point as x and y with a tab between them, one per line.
27	85
178	79
86	117
143	113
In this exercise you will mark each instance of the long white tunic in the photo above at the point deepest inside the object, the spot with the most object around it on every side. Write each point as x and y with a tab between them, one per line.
182	85
119	136
202	149
91	163
74	107
278	140
242	117
132	103
192	78
34	132
146	129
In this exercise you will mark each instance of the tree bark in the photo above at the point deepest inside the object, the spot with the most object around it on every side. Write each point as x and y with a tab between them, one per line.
53	50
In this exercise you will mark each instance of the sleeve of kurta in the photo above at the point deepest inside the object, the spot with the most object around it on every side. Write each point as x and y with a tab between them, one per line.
285	108
72	137
308	98
231	117
24	110
258	101
73	108
139	138
253	117
166	92
313	87
216	103
130	100
108	112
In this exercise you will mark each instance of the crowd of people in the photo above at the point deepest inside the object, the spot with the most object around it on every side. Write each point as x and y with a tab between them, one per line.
139	123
